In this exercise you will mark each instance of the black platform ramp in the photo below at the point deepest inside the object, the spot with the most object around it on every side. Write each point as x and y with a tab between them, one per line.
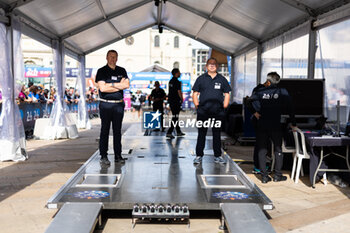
76	218
160	171
245	217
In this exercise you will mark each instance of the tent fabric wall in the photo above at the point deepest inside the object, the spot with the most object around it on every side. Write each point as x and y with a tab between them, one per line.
245	69
333	65
61	124
83	121
12	137
279	52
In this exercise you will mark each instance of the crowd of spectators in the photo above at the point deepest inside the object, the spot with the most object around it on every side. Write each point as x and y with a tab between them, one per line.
36	94
39	94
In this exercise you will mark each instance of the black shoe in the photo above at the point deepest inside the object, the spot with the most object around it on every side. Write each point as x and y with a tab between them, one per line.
105	161
265	179
170	136
180	134
118	159
279	178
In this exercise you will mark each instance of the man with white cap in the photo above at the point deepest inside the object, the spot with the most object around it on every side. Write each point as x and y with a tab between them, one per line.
269	102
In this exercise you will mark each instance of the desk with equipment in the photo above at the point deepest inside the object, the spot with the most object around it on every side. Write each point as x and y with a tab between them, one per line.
308	101
326	142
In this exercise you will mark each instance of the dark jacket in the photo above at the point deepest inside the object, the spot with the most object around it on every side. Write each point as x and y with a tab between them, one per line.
271	102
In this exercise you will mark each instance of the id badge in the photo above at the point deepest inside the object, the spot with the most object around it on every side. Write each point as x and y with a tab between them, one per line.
217	86
114	78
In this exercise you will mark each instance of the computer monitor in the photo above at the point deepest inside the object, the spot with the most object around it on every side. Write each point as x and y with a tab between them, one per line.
307	95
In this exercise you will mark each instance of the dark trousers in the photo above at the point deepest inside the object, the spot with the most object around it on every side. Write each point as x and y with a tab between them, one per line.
263	138
254	122
111	113
202	132
175	111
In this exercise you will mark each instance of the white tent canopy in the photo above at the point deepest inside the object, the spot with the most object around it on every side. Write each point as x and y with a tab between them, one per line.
229	26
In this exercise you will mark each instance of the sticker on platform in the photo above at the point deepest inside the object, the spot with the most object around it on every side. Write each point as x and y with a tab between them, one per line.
91	194
230	195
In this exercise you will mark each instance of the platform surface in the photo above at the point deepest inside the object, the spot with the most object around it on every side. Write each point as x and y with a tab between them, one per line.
160	171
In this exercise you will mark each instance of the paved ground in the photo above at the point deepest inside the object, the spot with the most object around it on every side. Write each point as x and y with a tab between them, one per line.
26	186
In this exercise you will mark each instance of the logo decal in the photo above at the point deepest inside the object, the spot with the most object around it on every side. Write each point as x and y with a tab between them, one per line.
230	195
91	194
151	120
266	96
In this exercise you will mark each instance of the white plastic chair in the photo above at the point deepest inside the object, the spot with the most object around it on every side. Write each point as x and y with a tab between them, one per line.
300	153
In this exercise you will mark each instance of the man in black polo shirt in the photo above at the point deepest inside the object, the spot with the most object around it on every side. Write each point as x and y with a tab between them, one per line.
175	100
213	91
158	96
111	80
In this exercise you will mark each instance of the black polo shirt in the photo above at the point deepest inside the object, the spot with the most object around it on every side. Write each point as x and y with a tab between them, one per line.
160	93
211	91
174	87
109	75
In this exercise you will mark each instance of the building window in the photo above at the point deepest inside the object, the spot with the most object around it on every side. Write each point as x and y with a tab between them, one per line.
204	68
176	65
176	42
29	62
156	41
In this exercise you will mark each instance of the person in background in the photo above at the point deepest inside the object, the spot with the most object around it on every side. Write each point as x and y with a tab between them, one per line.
137	101
68	96
76	96
175	100
253	121
22	97
33	95
95	94
47	96
88	95
42	98
30	84
149	100
158	96
52	96
269	102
